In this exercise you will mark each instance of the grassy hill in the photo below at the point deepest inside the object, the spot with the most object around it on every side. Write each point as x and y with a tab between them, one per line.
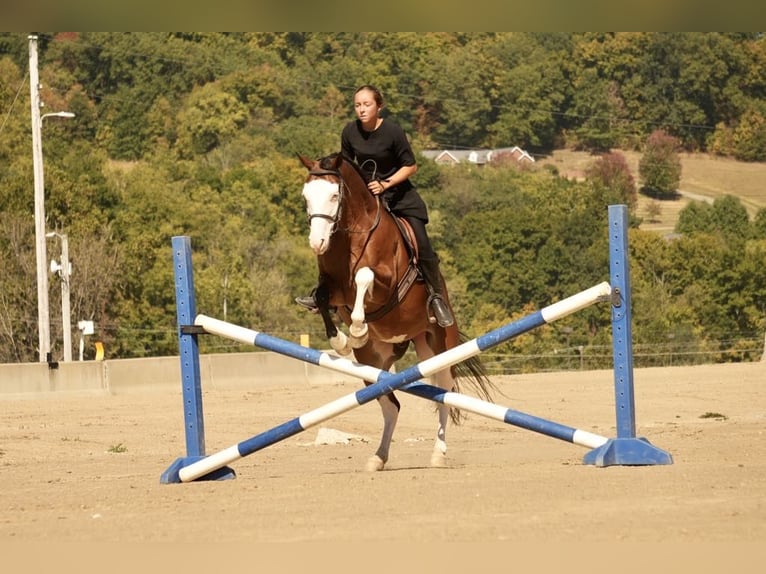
703	178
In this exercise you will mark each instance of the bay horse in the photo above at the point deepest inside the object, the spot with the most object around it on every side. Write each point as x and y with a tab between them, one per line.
368	277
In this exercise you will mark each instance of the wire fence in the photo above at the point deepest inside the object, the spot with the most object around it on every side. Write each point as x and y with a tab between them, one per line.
504	360
594	357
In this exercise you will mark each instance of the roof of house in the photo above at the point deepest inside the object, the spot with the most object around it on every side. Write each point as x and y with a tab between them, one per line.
477	156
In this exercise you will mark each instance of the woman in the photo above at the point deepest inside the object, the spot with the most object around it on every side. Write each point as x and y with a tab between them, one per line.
381	148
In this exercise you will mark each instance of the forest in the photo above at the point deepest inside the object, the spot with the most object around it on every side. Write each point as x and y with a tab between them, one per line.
198	134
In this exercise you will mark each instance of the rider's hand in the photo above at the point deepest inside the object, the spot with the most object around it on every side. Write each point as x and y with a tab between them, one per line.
377	187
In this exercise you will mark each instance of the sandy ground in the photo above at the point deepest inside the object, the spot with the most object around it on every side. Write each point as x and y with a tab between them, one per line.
86	468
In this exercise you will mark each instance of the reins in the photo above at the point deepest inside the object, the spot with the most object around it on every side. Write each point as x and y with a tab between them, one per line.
336	218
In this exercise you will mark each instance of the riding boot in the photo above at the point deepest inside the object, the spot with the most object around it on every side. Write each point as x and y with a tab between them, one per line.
429	268
311	301
308	301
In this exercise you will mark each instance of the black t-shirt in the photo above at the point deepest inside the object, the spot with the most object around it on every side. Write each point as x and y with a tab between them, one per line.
380	154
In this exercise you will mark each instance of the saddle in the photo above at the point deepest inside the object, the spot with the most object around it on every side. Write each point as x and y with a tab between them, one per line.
409	238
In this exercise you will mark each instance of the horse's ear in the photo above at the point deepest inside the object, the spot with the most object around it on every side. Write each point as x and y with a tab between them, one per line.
337	160
306	161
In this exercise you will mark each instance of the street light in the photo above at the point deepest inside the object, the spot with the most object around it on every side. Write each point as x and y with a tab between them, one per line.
43	314
57	115
64	270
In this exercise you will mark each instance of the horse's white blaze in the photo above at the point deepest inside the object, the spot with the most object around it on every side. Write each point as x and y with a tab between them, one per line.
322	198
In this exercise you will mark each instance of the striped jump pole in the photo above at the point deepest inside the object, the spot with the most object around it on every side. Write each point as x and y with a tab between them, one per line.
419	389
385	382
506	415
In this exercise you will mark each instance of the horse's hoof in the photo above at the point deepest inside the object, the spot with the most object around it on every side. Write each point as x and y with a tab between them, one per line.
438	459
358	335
358	331
340	345
358	342
374	464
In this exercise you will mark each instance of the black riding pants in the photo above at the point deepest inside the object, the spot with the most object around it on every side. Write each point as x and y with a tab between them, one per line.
425	250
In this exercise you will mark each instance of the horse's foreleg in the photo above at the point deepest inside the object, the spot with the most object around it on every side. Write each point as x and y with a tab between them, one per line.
337	338
389	406
364	279
443	380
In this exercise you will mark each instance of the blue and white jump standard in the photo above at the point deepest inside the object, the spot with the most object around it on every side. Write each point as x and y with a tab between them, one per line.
626	449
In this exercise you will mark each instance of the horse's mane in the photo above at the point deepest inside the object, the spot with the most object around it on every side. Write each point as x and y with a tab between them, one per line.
328	162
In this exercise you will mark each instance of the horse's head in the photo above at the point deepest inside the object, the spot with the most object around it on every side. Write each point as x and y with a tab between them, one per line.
322	191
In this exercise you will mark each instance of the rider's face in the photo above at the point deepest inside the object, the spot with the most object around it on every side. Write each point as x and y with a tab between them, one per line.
365	106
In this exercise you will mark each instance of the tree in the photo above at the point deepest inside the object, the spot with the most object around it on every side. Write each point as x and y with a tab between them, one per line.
730	218
612	172
598	104
210	119
660	165
759	224
726	217
696	217
749	137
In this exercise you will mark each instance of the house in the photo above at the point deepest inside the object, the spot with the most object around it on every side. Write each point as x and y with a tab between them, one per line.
478	157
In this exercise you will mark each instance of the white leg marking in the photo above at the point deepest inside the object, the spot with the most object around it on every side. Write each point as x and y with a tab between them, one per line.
340	343
443	380
364	279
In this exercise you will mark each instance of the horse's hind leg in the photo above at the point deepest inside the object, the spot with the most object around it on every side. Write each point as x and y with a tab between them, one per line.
444	381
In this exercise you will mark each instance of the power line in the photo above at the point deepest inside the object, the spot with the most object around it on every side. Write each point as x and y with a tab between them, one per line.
16	97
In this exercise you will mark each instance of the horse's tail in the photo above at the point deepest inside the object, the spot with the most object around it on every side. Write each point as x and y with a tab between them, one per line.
473	372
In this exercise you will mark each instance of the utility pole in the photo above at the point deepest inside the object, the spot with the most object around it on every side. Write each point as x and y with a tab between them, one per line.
43	316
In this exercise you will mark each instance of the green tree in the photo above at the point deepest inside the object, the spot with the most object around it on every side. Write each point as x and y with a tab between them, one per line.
726	217
597	104
211	118
526	89
749	137
759	224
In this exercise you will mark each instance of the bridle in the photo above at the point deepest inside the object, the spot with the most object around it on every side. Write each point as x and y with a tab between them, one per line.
318	172
334	219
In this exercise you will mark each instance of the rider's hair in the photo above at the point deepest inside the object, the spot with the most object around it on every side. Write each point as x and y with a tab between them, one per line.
375	93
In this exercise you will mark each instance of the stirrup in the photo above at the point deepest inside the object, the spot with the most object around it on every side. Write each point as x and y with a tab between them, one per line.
442	313
308	302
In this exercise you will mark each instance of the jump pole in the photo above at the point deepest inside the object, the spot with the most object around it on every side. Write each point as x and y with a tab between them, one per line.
386	382
625	450
418	388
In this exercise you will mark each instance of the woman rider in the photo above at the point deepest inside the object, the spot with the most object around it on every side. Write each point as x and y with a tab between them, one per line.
382	150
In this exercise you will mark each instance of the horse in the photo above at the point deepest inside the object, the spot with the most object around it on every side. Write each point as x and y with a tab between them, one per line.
368	277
